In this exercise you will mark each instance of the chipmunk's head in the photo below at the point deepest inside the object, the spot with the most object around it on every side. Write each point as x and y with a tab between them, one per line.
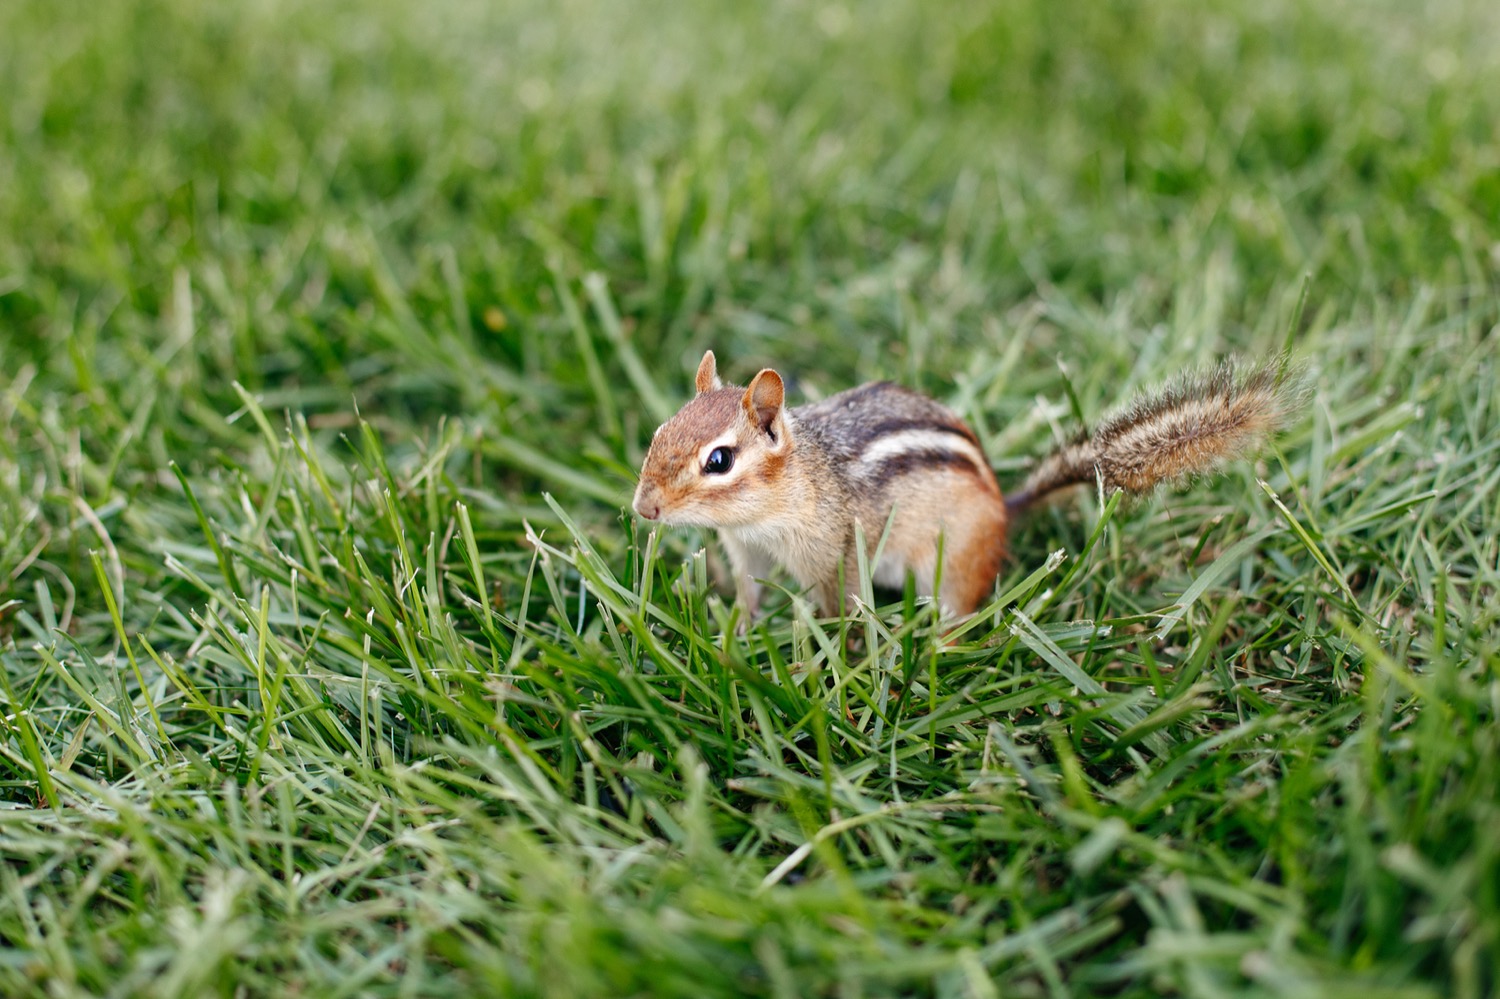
718	461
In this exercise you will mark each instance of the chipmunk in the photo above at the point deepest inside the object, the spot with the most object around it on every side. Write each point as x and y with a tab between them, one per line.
786	486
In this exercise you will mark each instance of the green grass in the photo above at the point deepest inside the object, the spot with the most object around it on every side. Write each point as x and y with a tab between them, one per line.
332	335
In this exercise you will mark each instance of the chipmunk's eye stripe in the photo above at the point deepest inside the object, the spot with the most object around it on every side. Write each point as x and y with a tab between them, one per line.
720	460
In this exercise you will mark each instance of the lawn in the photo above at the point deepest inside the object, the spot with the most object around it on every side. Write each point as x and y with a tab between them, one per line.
332	335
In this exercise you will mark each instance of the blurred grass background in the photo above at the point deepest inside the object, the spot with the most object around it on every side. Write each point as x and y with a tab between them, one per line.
303	308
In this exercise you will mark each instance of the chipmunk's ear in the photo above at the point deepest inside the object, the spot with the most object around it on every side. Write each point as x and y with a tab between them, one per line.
763	400
708	374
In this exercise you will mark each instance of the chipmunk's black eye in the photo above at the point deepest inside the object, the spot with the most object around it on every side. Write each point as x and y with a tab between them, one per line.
720	460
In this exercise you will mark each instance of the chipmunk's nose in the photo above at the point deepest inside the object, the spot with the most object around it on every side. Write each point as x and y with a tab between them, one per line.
647	503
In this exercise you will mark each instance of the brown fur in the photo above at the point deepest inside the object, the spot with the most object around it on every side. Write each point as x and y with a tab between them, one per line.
877	460
1194	426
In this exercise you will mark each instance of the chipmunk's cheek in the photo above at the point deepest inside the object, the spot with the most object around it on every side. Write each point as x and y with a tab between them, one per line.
679	514
721	511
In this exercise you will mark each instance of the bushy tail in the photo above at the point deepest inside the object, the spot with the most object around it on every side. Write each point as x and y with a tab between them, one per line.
1194	426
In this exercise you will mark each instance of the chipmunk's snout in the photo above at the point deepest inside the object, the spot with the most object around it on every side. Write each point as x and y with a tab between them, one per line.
647	502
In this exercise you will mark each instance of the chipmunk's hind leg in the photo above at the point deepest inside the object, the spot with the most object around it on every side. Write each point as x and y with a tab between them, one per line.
967	519
973	549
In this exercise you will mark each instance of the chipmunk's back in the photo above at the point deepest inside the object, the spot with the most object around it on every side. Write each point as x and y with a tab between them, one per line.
879	432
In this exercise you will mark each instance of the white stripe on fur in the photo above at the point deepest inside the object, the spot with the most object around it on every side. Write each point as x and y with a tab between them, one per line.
904	442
